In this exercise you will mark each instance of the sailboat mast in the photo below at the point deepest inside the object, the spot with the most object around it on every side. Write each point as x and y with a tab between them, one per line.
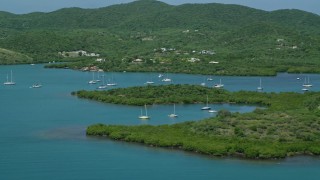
260	82
145	107
11	76
208	100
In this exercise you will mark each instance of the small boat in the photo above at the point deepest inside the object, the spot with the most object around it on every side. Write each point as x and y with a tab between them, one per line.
166	80
209	79
36	85
220	85
149	82
92	82
111	84
174	112
203	83
260	88
9	82
146	113
102	87
305	89
212	111
207	106
160	75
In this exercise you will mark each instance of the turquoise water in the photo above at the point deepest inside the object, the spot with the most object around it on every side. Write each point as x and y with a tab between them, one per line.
42	131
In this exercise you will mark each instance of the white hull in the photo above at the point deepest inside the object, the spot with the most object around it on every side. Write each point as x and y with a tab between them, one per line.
92	82
144	117
9	83
307	85
206	108
36	86
102	87
173	115
166	80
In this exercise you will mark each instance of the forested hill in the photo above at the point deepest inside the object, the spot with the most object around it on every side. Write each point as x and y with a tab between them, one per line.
146	15
283	40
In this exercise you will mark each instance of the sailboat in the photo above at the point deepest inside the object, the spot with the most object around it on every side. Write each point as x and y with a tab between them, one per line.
111	83
92	81
146	115
260	88
9	82
98	77
102	86
307	83
174	112
207	106
220	85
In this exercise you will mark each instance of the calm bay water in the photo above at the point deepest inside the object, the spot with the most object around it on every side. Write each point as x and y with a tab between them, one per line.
42	131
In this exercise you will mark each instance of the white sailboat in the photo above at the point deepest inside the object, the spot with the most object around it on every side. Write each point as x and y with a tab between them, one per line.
260	88
111	83
102	86
146	115
174	112
307	83
9	82
93	81
220	85
207	106
98	77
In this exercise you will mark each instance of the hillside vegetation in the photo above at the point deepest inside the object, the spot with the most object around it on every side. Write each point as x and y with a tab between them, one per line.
244	41
10	57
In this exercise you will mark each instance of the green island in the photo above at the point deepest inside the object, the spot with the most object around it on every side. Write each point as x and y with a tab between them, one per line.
287	124
152	36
